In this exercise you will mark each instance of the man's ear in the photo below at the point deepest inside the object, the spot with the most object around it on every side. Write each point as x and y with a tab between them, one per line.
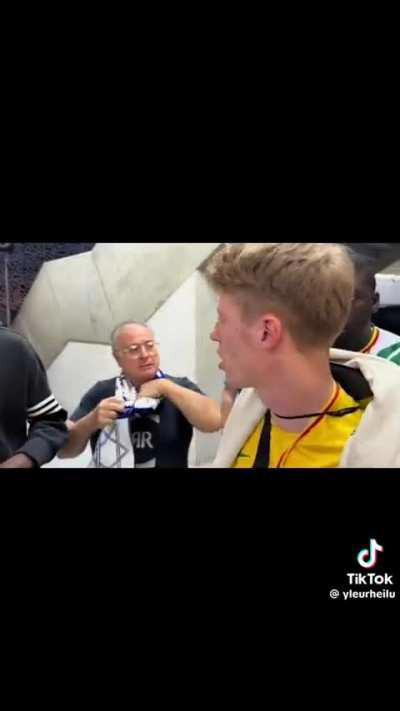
376	303
270	332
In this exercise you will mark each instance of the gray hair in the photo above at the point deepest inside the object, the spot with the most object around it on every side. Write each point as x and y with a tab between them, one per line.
117	329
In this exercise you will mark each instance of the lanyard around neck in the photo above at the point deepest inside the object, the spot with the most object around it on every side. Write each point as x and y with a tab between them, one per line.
285	455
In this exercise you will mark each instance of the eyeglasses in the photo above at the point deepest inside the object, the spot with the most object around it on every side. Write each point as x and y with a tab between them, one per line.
135	349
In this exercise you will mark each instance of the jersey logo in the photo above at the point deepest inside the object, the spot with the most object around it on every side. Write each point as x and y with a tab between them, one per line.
141	440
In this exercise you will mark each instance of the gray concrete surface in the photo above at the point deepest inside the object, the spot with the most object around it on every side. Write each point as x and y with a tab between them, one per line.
81	298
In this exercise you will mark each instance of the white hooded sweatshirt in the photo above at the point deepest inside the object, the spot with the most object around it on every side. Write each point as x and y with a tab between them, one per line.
376	442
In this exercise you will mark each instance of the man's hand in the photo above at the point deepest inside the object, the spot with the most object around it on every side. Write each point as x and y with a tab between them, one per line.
106	412
154	388
18	461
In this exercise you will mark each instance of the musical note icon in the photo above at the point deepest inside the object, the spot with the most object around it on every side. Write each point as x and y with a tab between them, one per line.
373	548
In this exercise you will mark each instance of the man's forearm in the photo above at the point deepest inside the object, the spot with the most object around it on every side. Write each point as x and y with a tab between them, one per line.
201	411
79	435
18	461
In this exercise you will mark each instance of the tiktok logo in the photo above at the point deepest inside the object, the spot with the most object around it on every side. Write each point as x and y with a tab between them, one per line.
373	548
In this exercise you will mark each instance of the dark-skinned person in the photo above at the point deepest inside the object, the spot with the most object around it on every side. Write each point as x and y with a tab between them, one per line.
32	422
359	333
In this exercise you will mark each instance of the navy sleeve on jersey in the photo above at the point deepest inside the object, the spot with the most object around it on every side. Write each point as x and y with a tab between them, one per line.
47	431
91	399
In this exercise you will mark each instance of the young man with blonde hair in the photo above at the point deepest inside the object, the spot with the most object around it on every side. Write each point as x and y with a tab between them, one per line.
281	307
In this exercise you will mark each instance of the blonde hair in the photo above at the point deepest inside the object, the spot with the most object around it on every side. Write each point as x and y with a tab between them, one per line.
309	286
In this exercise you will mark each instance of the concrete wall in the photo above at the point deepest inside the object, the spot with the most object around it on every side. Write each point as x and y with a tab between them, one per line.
388	288
81	298
393	268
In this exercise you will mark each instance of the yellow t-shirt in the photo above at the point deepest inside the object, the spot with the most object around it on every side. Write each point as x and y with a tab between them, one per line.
320	445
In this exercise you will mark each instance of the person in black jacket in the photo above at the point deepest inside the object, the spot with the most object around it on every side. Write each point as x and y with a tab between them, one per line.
157	437
32	423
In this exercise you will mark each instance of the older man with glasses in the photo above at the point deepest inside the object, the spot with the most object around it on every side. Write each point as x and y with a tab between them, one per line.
142	418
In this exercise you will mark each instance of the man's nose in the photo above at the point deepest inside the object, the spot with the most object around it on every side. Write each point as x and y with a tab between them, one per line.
213	334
